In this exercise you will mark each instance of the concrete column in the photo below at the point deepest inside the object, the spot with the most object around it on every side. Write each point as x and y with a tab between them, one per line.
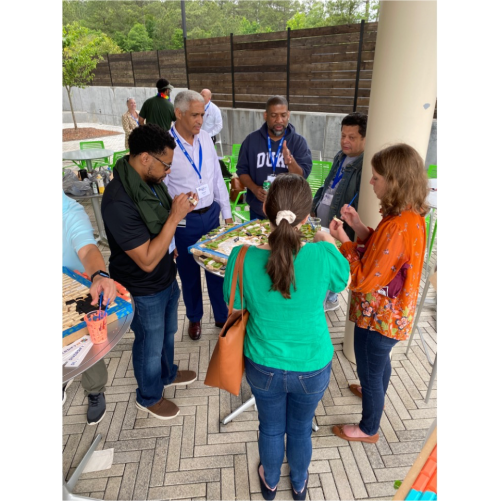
402	99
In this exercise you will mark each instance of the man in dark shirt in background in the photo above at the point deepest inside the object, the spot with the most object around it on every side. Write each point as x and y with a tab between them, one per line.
140	219
159	109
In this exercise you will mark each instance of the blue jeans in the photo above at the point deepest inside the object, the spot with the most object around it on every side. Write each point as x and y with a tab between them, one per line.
286	402
331	296
154	325
374	371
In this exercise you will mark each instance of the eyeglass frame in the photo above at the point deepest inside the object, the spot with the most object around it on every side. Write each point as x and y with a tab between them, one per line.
165	165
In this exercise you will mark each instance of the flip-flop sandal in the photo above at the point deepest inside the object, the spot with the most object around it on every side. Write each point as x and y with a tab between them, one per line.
339	431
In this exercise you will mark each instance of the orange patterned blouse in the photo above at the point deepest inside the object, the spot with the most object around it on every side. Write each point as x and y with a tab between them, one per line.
397	241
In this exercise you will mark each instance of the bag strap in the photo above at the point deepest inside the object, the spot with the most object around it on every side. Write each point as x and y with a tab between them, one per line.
237	272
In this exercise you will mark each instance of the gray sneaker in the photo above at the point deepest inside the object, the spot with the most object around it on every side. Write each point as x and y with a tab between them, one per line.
96	409
331	305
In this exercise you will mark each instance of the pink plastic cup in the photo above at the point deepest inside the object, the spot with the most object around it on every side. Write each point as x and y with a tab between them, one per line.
97	326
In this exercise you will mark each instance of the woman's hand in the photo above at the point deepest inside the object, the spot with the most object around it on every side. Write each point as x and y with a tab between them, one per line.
337	231
350	216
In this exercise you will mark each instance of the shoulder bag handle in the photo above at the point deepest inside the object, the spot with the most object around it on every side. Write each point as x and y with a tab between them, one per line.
238	272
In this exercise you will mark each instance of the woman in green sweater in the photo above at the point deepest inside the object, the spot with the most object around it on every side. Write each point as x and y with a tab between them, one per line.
288	351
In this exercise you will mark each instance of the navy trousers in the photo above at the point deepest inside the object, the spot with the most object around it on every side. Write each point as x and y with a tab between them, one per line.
198	225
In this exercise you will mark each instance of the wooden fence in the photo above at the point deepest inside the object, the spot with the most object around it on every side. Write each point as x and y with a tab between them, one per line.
325	69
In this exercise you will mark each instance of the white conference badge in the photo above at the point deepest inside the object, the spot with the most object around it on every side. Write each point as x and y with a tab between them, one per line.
171	247
203	191
327	199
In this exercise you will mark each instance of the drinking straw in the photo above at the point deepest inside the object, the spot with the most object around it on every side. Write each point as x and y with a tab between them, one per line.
353	198
100	300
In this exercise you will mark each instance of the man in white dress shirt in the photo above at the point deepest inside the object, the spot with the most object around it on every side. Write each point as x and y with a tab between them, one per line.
212	121
195	168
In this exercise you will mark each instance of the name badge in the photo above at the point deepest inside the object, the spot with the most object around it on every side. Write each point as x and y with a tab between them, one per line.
271	178
203	191
171	247
327	199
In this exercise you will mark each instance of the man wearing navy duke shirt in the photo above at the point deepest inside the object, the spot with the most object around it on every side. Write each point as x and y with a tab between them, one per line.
195	167
273	149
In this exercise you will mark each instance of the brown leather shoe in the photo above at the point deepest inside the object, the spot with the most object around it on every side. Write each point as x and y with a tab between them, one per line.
164	409
194	330
339	431
182	378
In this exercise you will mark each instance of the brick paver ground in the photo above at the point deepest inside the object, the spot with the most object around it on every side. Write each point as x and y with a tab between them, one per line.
196	457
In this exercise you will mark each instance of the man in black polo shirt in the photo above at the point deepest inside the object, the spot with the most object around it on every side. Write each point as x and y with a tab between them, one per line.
140	219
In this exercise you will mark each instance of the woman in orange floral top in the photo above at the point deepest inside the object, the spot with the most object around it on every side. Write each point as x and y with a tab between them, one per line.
386	265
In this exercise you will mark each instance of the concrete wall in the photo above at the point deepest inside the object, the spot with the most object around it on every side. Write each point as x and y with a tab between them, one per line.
106	105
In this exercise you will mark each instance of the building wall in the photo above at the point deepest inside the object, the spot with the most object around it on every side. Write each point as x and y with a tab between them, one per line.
106	105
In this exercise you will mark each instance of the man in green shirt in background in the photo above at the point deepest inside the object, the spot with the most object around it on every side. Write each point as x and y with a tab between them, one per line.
158	109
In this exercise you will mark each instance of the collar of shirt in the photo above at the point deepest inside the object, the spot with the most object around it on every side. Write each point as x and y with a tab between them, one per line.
182	177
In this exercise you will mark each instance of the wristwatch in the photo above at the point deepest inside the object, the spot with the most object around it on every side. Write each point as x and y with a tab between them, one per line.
101	273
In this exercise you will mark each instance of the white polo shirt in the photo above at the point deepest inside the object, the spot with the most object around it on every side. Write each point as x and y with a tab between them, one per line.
183	178
212	121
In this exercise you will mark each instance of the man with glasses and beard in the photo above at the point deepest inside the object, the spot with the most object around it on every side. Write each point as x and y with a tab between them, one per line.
140	219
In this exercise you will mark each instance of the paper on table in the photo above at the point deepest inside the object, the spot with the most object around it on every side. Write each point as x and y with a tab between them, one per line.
100	460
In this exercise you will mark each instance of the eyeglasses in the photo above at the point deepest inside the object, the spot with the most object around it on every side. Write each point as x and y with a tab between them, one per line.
167	166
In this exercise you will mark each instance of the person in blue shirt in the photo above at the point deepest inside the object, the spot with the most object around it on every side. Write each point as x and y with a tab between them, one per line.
273	149
81	253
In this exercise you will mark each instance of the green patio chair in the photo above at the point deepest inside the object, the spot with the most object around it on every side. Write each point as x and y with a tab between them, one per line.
89	145
116	156
319	172
238	210
432	172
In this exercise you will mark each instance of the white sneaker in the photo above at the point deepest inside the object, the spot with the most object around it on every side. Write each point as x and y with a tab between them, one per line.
331	305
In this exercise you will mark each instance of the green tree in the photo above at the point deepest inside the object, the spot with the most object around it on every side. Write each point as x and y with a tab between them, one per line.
82	50
138	39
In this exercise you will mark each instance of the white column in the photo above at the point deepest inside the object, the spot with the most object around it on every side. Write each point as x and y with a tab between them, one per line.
402	98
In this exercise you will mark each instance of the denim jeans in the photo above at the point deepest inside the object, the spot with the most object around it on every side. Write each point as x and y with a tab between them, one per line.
331	296
154	325
374	371
286	402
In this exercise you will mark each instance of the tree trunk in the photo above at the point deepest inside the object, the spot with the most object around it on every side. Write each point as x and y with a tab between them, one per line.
68	89
367	10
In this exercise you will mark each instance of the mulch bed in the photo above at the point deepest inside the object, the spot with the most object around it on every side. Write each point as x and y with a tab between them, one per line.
86	133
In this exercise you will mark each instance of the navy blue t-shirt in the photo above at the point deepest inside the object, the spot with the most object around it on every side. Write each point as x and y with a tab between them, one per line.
253	159
126	230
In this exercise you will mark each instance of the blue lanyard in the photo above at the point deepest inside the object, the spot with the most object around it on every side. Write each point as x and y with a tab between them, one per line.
181	146
208	105
153	190
339	174
136	119
275	160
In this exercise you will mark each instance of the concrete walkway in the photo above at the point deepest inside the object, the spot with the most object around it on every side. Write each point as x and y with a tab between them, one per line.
194	456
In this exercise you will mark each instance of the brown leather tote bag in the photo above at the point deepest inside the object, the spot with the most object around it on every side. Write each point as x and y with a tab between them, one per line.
236	187
226	367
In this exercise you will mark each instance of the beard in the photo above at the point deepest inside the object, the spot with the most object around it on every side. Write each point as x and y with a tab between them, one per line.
279	132
150	179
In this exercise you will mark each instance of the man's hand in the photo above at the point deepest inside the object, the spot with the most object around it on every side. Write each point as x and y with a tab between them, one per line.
313	214
260	193
106	286
287	156
229	220
181	206
337	231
